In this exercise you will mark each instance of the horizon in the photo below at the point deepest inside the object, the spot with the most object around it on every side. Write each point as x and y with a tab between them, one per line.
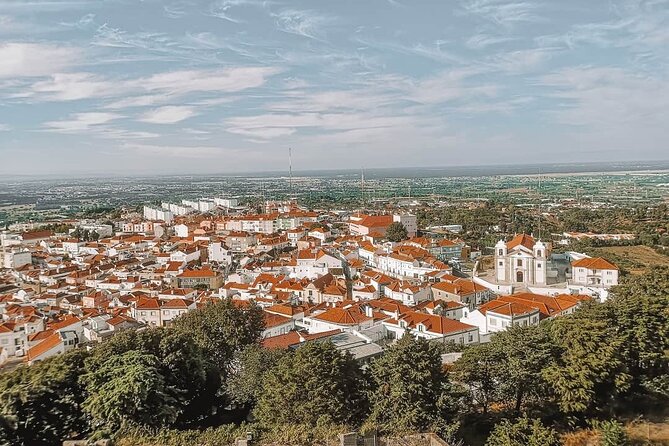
472	170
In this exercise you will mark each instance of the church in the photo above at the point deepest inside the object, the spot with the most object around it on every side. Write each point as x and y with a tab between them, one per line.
521	261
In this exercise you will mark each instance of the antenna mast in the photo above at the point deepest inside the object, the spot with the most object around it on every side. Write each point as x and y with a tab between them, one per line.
290	171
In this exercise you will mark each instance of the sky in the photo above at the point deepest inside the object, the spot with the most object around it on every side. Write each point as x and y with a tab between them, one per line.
188	86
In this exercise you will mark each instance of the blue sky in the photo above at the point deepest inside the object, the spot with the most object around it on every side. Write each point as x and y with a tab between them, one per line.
130	86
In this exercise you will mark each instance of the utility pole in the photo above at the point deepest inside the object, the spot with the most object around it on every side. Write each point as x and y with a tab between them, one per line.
362	186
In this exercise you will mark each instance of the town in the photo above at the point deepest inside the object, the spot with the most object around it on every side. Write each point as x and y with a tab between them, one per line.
360	280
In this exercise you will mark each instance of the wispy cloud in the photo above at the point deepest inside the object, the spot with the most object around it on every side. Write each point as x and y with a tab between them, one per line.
81	122
168	114
310	24
76	86
482	41
502	12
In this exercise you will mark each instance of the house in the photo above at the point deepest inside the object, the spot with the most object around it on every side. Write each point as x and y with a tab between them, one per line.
57	343
146	310
350	318
200	278
461	290
361	224
432	327
172	308
406	292
521	309
597	272
277	324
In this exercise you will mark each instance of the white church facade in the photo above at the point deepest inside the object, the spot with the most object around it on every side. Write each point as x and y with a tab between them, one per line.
522	261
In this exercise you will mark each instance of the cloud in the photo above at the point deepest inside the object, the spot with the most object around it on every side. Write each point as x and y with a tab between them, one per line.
5	127
610	100
81	122
160	87
502	12
34	59
74	86
168	115
302	23
482	41
228	80
521	61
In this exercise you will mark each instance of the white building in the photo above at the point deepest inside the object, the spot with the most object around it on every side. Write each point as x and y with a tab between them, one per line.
522	261
155	214
226	202
595	272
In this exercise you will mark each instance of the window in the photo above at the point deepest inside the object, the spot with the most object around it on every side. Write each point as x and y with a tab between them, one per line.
519	262
501	252
501	263
539	253
608	273
471	337
493	321
539	265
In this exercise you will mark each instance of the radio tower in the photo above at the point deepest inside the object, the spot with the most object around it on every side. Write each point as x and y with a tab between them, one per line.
290	171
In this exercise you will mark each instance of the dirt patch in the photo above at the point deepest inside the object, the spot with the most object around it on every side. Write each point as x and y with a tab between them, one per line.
635	259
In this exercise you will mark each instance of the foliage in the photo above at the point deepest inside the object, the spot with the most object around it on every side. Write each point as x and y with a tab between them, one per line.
221	435
611	433
396	232
410	391
590	372
220	329
522	432
40	404
248	371
129	389
191	380
317	383
477	368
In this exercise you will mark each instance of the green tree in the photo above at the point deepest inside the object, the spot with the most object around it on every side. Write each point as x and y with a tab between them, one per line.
590	372
248	371
410	392
396	232
315	384
129	389
525	352
522	432
41	404
478	370
190	380
222	328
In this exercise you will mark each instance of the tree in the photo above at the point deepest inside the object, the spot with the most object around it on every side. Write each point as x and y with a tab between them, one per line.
477	369
409	390
129	389
524	352
41	404
589	372
315	384
189	378
248	372
220	329
523	432
396	232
